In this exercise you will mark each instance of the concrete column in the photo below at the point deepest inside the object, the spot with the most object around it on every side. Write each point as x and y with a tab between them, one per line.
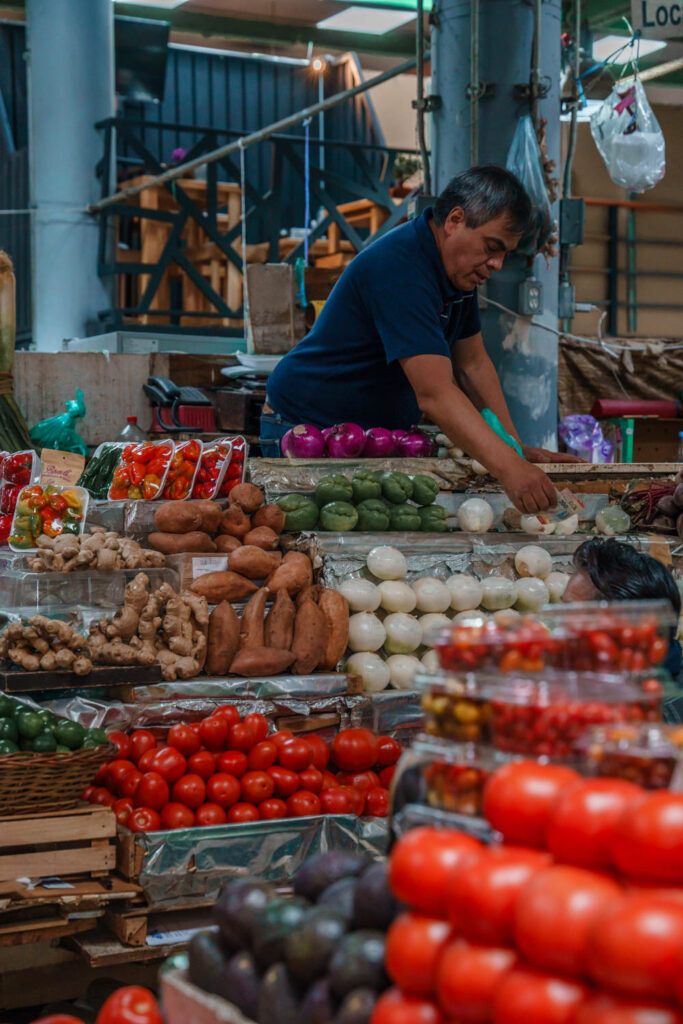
71	86
525	355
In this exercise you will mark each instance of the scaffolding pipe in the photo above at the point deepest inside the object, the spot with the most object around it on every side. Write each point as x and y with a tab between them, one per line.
536	64
574	126
419	60
475	90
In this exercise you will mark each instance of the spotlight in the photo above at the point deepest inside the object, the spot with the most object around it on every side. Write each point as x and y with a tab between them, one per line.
318	65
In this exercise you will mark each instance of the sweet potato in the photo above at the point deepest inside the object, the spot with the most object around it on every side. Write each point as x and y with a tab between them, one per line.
247	496
279	631
223	586
262	537
261	661
234	522
310	638
271	516
252	626
177	543
311	592
224	639
211	514
253	562
177	517
335	609
295	573
225	543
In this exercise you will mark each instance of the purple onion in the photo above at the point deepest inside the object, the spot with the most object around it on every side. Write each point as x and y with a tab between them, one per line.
415	444
379	443
303	442
398	434
346	441
326	433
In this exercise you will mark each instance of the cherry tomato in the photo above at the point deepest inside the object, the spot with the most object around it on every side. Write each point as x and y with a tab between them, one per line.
355	750
262	756
234	762
605	1009
123	809
377	802
170	763
363	781
202	763
388	751
258	725
130	783
213	732
123	744
257	786
295	754
190	790
271	809
130	1005
145	761
421	863
87	793
414	946
393	1007
529	997
223	789
140	741
648	838
286	781
117	772
386	776
152	792
240	813
102	796
210	814
329	780
467	978
229	712
280	737
518	799
176	815
581	825
320	752
184	739
312	780
144	819
335	800
241	737
302	804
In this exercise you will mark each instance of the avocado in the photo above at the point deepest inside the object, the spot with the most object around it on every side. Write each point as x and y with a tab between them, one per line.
319	1005
207	956
240	984
357	1007
374	905
278	999
358	963
272	925
308	948
234	911
340	895
323	869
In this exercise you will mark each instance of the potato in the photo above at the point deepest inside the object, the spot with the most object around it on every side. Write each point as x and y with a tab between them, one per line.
335	609
279	630
261	661
271	516
310	638
225	543
224	639
253	562
223	586
177	517
252	625
211	513
177	543
247	496
234	522
310	593
262	537
295	573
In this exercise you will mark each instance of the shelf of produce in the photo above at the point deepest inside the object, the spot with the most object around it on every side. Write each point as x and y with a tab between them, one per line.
15	680
61	843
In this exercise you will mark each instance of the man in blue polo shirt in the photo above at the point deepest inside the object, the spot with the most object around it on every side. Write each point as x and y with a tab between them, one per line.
400	336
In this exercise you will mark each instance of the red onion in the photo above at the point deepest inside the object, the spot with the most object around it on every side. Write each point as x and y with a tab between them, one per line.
326	433
379	443
346	441
415	445
398	434
303	442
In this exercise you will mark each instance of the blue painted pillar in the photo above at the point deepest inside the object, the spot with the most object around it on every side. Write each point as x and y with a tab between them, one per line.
71	86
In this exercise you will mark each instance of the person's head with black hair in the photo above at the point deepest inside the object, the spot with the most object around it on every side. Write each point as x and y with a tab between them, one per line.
611	570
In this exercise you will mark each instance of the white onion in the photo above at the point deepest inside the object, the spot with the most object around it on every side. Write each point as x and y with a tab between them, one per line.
402	668
612	521
362	595
403	632
533	560
387	563
466	592
371	669
508	618
475	516
433	621
430	660
532	524
432	595
531	594
556	583
474	618
396	596
366	632
566	527
499	592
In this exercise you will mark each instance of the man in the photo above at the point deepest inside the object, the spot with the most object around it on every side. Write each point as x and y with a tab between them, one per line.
400	335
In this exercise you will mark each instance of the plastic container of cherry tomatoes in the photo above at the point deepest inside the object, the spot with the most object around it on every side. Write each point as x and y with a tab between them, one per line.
182	472
650	755
237	470
446	776
19	469
213	466
141	471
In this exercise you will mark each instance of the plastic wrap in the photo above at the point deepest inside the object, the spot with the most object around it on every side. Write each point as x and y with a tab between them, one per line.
138	517
415	814
315	686
280	476
524	160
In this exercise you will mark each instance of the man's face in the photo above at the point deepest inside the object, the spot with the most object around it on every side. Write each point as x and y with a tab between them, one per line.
471	255
580	588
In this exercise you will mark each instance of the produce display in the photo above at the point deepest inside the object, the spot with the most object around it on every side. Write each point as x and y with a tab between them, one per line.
141	471
47	512
45	644
182	470
656	505
36	730
349	441
444	775
206	526
99	549
650	755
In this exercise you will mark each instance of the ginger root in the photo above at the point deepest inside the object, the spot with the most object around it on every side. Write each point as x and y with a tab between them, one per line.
99	549
45	644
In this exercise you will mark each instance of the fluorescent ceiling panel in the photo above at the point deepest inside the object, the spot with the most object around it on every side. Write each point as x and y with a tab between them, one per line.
371	20
605	47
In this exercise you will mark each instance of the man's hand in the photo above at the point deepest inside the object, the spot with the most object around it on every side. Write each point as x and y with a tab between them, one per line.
543	455
529	489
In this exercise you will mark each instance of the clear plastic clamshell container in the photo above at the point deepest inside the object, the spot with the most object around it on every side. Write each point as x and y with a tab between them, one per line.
142	471
183	470
213	466
237	469
448	777
49	511
650	755
16	471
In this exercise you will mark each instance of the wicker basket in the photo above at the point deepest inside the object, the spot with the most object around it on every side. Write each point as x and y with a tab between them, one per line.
48	782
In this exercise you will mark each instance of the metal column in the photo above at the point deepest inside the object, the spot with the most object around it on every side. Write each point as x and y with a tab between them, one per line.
525	355
71	86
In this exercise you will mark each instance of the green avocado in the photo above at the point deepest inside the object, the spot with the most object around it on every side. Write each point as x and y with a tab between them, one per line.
278	999
7	706
309	948
7	747
8	730
272	926
29	724
70	734
44	743
358	963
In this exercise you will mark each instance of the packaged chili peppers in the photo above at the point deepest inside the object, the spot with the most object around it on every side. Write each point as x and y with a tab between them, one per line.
142	470
213	466
16	471
182	472
238	464
49	512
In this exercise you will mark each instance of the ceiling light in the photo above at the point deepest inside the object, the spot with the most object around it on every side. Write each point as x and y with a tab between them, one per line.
410	5
605	47
318	65
370	20
153	3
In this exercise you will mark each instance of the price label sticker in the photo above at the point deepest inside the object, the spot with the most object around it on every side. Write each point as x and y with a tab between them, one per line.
200	566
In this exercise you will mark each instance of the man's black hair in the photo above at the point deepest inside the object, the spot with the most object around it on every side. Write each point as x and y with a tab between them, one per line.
485	193
620	573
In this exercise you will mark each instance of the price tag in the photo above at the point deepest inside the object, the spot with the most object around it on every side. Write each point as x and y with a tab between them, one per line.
60	469
200	566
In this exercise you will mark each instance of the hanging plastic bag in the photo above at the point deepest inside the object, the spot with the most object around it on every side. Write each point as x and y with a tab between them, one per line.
524	161
629	138
58	432
583	436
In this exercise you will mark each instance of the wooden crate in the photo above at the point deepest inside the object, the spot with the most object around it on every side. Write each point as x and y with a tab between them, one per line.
184	1002
133	923
18	681
61	843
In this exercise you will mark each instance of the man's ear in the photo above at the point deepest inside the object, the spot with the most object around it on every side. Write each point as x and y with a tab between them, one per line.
455	219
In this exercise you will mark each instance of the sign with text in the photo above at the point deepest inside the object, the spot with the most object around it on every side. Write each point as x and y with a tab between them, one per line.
61	469
658	19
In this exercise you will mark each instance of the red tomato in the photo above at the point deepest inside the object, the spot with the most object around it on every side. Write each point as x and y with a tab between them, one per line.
140	741
302	804
210	814
117	772
604	1009
122	742
393	1007
223	789
414	945
388	751
357	798
286	781
312	780
262	756
170	763
482	893
295	755
467	979
145	761
272	808
518	799
103	796
320	751
123	809
202	763
234	762
213	732
152	792
386	776
229	713
144	819
329	780
87	793
421	863
648	839
176	815
241	737
377	802
529	997
581	826
130	1005
634	947
190	790
101	775
257	786
355	750
363	781
184	739
129	784
335	800
278	738
240	813
258	725
555	912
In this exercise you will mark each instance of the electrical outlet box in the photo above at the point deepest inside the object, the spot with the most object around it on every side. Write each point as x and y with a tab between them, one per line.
530	297
567	301
572	217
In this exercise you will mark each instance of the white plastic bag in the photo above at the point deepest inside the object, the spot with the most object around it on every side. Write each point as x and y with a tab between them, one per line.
629	138
524	161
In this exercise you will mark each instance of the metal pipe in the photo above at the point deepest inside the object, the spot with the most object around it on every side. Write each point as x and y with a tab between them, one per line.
536	63
419	59
574	126
474	83
252	138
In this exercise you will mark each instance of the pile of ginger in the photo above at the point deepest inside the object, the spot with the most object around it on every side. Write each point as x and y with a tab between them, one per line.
45	644
99	549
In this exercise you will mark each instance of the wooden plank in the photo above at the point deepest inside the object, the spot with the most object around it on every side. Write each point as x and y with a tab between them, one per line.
99	948
129	855
53	974
25	932
66	826
17	681
308	723
61	862
130	930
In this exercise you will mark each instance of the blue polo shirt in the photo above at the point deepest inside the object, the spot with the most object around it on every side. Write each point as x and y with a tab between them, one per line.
392	301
